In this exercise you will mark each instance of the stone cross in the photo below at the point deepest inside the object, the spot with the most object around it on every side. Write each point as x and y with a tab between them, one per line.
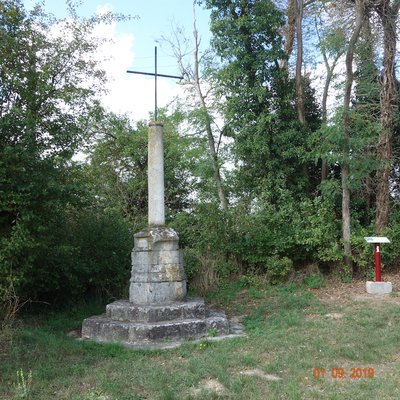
158	309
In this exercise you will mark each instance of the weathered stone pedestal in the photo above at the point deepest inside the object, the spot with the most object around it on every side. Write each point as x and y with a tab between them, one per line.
157	267
157	310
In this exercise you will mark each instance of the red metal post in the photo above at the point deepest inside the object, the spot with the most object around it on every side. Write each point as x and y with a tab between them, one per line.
377	254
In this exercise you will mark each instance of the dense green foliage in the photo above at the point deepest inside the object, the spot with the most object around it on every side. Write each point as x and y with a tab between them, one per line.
54	245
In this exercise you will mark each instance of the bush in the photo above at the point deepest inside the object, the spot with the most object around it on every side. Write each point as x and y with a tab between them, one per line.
278	268
63	259
267	240
205	235
104	241
251	279
314	281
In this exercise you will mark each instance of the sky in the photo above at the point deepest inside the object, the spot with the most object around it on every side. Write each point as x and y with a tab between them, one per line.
133	48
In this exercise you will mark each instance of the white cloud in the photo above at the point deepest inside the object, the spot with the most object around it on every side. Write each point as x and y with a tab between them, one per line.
128	93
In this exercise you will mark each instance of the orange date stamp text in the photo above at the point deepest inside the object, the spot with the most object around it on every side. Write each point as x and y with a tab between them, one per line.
340	373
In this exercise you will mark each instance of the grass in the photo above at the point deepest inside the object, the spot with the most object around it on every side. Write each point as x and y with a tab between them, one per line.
290	333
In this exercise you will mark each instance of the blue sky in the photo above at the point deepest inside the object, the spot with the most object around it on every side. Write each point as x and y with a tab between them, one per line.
134	47
155	18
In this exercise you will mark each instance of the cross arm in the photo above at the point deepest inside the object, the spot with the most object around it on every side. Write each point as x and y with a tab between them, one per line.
153	74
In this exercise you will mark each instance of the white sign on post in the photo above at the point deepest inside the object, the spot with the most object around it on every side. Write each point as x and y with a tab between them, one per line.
377	239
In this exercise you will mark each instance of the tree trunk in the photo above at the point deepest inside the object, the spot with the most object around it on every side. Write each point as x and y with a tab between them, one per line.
389	103
324	111
211	142
299	62
329	75
289	32
345	168
328	80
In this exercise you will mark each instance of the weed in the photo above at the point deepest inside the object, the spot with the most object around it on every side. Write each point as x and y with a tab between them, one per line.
291	287
212	332
296	301
315	281
95	395
226	292
204	344
10	305
168	394
255	322
250	280
239	308
255	293
278	268
23	387
346	275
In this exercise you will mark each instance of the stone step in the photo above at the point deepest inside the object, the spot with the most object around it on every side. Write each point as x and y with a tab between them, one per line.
104	329
218	322
107	330
123	310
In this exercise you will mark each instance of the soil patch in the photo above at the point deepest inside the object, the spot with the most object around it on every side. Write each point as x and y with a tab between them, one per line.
209	385
260	374
339	292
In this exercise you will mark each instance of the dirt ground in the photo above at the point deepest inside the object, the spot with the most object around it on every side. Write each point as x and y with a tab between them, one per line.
340	292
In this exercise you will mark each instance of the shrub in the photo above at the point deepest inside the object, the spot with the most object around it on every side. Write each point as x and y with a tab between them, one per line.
278	268
63	259
314	281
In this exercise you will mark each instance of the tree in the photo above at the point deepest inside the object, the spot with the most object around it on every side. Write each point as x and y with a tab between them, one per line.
345	164
247	38
299	62
366	119
200	84
387	11
117	170
330	31
289	32
49	83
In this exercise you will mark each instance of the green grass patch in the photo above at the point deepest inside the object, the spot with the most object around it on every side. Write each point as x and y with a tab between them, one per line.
289	335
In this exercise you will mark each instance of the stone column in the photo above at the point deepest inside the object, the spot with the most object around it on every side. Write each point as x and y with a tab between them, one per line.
156	213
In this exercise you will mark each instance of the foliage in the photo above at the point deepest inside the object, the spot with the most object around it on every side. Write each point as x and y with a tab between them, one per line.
221	244
97	259
269	143
66	227
24	385
117	172
315	281
278	268
48	101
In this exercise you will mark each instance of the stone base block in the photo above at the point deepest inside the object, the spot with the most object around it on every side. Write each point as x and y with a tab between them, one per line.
157	292
379	287
106	330
123	310
157	275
